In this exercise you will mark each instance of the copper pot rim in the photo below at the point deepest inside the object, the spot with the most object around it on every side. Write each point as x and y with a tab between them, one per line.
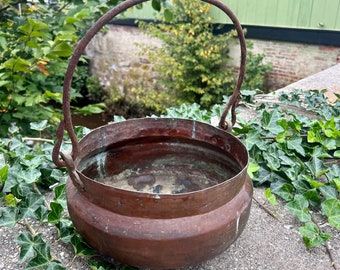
241	175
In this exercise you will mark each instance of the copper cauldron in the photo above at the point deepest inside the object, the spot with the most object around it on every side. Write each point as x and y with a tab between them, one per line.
183	195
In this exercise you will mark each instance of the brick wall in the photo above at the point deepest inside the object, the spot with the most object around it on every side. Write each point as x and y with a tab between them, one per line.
291	61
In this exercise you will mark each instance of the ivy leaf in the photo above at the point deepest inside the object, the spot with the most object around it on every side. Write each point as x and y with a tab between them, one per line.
29	175
60	195
9	217
291	172
21	190
81	249
314	183
301	186
27	246
337	154
320	152
65	230
333	175
32	163
270	197
43	258
283	189
294	143
263	176
56	213
313	197
299	208
336	182
331	209
313	137
11	200
270	122
39	126
272	160
3	174
316	167
312	236
253	138
329	144
41	213
58	176
252	168
30	204
33	246
328	192
286	160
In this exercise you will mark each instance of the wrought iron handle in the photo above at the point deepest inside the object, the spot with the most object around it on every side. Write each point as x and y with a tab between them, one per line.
66	122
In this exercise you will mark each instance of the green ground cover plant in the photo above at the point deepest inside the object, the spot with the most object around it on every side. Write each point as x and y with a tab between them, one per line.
296	158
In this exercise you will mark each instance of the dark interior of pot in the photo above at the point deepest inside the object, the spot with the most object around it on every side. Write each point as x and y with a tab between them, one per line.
160	165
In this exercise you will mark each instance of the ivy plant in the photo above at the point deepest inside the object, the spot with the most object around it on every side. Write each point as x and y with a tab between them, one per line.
297	157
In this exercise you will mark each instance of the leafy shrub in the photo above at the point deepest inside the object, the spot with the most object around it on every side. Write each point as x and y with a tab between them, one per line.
35	43
191	64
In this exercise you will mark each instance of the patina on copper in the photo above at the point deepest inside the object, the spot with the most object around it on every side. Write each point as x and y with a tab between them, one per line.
152	229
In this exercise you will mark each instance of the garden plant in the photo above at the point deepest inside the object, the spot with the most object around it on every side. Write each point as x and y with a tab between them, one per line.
193	63
36	39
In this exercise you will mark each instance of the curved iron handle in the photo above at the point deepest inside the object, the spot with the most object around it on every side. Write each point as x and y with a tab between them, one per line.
66	122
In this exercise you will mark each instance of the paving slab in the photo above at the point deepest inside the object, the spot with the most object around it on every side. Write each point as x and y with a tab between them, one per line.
328	79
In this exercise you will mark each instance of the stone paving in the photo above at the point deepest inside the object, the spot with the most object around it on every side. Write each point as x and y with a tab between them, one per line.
328	79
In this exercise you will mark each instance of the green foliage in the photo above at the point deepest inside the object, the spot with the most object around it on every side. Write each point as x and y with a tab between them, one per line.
312	236
27	174
191	64
35	43
297	157
136	94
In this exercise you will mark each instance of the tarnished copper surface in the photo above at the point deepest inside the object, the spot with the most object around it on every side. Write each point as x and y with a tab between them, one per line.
160	243
160	231
152	229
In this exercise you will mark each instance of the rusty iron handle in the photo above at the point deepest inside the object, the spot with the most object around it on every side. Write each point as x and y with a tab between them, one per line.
66	122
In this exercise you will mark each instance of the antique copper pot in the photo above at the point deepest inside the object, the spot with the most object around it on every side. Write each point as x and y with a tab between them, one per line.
140	225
